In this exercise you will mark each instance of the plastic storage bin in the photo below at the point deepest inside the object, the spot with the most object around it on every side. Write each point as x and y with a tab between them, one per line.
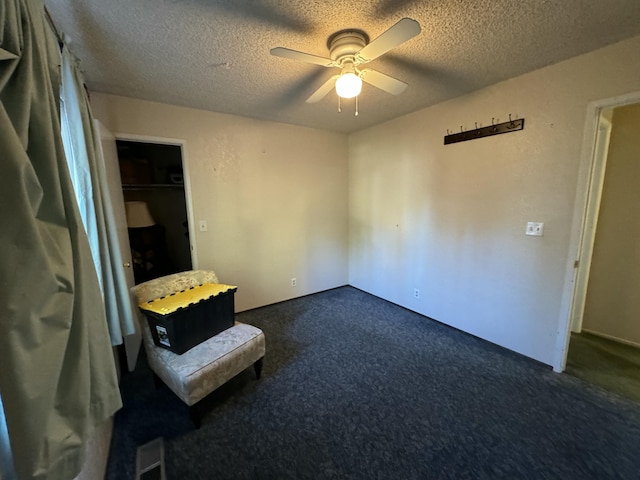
184	319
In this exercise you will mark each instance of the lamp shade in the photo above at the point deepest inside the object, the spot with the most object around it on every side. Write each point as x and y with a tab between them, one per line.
348	85
138	215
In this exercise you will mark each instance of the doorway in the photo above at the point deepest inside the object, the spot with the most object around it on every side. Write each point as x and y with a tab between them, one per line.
153	188
604	347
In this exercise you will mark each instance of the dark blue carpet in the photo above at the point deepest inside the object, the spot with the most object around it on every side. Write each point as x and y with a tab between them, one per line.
354	387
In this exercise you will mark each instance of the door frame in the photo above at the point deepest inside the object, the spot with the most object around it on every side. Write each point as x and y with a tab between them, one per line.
588	194
594	198
187	182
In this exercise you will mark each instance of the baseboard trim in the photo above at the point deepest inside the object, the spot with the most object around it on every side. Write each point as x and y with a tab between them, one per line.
611	337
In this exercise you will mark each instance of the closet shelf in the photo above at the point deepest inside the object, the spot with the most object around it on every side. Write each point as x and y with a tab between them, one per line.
152	186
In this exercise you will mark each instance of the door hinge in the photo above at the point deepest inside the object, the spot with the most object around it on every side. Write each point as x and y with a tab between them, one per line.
576	264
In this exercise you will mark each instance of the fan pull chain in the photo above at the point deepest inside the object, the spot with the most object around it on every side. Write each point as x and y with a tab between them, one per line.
340	104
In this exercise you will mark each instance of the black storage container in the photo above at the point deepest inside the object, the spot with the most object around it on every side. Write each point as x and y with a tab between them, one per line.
184	319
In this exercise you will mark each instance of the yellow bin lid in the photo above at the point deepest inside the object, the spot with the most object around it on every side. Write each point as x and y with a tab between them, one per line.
184	298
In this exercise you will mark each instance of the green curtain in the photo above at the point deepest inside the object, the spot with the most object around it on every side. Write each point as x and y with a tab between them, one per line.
58	379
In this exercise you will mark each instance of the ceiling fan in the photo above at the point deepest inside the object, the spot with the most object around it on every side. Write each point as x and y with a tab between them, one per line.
348	49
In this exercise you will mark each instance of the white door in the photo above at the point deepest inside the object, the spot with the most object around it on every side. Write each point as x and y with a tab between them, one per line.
110	154
591	217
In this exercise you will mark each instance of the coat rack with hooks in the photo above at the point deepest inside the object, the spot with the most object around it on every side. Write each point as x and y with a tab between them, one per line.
493	129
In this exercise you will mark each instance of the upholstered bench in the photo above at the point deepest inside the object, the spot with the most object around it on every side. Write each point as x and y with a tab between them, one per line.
200	370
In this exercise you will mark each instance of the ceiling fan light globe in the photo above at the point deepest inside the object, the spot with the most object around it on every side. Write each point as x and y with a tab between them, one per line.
348	85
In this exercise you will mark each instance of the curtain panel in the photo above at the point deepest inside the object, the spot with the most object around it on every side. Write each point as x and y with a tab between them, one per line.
88	174
58	379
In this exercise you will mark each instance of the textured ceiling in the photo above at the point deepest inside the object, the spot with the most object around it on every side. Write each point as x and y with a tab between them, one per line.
214	54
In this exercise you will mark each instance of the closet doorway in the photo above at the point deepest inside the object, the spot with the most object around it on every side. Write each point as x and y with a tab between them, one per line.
152	176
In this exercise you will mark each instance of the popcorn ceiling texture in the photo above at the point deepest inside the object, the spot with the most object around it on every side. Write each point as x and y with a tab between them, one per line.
214	54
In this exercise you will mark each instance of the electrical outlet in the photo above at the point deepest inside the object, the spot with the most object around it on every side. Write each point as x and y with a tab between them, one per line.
416	293
294	282
535	229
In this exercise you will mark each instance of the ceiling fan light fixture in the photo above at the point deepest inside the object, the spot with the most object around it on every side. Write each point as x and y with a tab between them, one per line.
348	85
350	48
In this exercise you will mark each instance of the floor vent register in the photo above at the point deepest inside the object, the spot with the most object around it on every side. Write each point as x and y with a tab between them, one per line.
150	461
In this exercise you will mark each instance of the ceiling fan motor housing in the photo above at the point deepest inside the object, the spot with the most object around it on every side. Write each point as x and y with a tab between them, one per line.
345	44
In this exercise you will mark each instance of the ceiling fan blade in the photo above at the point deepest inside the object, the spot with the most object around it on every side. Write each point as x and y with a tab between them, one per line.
398	34
302	57
323	90
383	81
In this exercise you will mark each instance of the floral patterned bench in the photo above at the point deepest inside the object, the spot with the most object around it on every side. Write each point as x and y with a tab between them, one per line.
200	370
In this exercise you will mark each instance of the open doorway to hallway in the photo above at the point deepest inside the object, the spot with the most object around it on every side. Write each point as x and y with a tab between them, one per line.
605	341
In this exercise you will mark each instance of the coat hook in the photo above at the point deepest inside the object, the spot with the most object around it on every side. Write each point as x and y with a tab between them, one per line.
498	125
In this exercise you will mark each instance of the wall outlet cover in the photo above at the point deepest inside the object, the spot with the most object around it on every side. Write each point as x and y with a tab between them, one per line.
535	229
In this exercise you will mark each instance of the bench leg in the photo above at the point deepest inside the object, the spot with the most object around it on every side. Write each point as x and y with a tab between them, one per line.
258	367
157	381
195	414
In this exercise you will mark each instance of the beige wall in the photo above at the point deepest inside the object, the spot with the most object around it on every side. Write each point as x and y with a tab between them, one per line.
612	307
450	220
274	196
447	220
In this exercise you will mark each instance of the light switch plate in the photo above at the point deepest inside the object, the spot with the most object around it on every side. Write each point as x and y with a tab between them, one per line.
535	229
